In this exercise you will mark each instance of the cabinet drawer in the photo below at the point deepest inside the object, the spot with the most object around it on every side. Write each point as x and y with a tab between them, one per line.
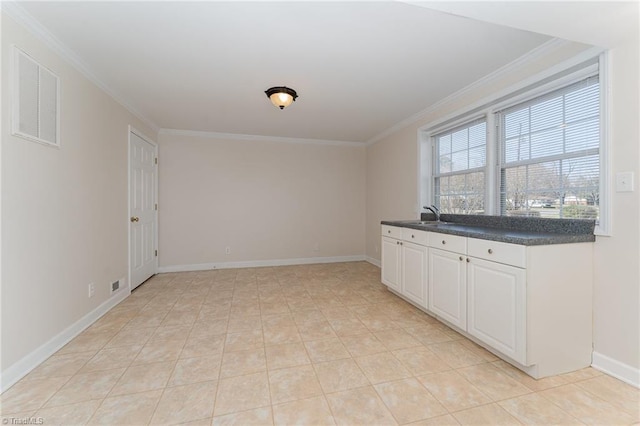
414	236
509	254
392	231
448	242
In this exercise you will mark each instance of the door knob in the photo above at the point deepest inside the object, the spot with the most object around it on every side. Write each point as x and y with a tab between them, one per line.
135	219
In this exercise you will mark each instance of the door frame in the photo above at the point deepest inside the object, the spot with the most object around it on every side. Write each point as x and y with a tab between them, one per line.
141	135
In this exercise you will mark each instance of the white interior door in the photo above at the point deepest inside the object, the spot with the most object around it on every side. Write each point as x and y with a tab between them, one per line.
142	210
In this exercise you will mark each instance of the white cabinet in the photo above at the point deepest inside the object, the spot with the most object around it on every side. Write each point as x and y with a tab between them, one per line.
404	263
391	254
496	306
414	273
448	286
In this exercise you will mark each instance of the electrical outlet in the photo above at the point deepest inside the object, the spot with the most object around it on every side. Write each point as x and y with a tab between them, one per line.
624	182
92	289
227	250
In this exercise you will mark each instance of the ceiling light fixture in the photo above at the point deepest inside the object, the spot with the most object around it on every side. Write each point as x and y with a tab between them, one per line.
281	96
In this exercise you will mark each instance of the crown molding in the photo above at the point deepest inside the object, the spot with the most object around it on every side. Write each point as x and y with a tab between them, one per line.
544	49
258	138
22	17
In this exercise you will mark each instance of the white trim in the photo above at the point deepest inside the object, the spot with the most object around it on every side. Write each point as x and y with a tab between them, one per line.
141	135
21	368
617	369
604	227
260	263
21	16
520	62
238	136
373	261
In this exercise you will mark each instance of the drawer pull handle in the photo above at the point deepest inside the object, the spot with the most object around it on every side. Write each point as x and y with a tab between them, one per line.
490	251
444	242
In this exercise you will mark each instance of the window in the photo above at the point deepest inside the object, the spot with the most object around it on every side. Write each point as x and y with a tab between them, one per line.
537	151
34	100
549	154
459	168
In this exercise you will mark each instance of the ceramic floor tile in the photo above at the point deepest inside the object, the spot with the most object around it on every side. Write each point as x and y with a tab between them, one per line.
340	375
382	367
311	411
243	362
326	350
360	406
363	344
446	420
158	351
171	332
185	403
274	335
30	394
420	360
243	340
528	381
491	414
242	393
87	386
293	383
347	326
197	347
455	354
584	374
619	394
257	417
193	370
143	377
396	339
316	330
533	409
286	355
244	322
60	365
428	334
208	329
409	401
493	382
131	336
110	358
73	414
135	409
585	406
453	390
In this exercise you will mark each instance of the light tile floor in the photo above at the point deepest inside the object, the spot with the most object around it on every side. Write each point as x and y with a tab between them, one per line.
306	345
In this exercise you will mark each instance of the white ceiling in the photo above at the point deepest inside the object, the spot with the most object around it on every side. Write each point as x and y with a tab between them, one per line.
359	67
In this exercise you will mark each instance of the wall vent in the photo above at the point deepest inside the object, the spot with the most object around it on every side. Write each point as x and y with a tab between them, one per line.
115	286
35	100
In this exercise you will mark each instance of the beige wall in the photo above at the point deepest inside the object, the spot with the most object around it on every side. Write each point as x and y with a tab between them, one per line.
266	200
64	211
392	194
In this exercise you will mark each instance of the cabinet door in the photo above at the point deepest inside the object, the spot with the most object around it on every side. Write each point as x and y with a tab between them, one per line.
414	273
391	263
448	286
497	306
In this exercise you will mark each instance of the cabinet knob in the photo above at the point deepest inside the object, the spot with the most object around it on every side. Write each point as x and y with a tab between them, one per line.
490	251
397	242
444	242
400	242
468	260
412	236
460	257
388	231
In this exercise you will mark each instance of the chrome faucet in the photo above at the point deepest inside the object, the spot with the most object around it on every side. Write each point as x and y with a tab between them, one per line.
433	210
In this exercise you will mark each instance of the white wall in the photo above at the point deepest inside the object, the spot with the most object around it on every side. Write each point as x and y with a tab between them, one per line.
265	199
392	194
64	210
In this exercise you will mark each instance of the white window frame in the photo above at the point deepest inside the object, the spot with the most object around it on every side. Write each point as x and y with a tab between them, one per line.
595	65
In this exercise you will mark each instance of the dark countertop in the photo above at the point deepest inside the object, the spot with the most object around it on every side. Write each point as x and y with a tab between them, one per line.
515	230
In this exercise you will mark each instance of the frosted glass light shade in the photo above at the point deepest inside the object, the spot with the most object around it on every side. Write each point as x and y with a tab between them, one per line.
281	96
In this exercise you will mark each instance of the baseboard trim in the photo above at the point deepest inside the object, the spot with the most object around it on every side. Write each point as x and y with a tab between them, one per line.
259	263
617	369
373	261
21	368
